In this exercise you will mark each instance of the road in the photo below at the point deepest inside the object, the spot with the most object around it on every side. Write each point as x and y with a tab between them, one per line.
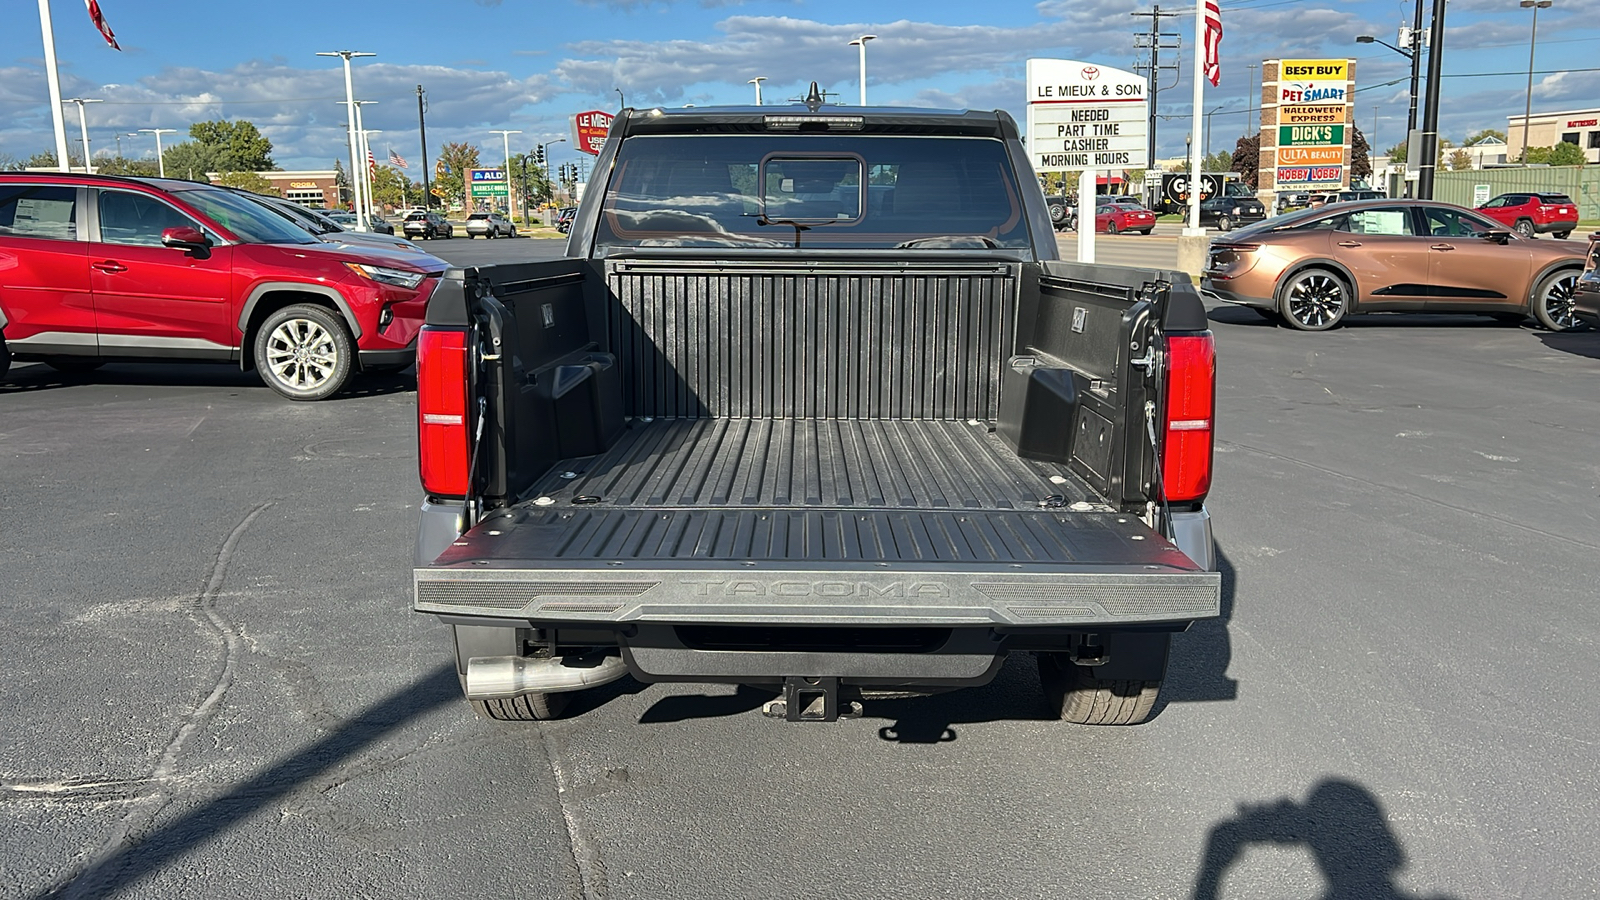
215	687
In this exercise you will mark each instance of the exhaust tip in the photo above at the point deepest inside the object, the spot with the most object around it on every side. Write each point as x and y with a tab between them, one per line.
502	677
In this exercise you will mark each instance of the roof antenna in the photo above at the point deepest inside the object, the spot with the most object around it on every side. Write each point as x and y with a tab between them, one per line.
814	99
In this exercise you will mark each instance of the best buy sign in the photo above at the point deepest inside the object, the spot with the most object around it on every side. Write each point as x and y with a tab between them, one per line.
1310	135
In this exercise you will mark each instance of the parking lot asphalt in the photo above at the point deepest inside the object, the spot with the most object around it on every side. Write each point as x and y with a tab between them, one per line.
214	685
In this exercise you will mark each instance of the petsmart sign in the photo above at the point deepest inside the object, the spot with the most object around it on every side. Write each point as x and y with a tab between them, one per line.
1086	116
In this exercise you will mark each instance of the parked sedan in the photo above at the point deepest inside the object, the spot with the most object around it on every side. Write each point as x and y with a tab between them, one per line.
489	225
1534	213
427	226
1314	267
1112	218
325	227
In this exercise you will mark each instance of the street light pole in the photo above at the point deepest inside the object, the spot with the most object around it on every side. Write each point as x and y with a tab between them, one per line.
511	211
83	126
1533	37
1255	101
422	130
350	101
862	43
363	172
621	99
161	164
1208	127
757	82
53	78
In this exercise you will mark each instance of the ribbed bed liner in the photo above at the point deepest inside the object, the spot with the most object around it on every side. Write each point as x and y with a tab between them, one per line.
818	463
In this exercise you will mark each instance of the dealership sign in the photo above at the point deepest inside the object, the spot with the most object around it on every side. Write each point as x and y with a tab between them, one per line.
1086	116
589	130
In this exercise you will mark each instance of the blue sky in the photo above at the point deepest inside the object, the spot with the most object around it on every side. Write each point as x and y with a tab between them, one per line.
491	64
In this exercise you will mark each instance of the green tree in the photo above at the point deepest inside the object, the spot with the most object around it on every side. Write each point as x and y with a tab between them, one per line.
391	188
9	163
1565	154
1460	161
1247	160
191	160
1397	153
454	160
1220	161
121	165
248	181
47	160
238	145
1360	156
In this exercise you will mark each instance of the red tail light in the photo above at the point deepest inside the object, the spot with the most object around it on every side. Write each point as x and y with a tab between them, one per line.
1191	398
442	445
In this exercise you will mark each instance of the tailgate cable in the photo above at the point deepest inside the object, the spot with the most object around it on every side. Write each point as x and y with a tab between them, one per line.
472	467
1161	487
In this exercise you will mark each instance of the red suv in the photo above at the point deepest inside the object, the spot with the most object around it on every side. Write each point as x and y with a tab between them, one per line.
1530	213
96	268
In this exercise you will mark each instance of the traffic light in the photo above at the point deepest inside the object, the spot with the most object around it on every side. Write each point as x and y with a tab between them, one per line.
538	155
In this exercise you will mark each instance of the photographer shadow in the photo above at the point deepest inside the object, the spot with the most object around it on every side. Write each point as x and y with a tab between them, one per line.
1341	824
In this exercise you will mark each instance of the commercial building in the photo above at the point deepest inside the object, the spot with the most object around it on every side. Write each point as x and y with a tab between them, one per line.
1575	126
309	188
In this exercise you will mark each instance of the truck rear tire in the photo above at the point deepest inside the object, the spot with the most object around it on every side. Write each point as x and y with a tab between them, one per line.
527	708
1075	695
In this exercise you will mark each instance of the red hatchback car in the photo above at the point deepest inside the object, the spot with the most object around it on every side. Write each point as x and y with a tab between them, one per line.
1111	218
97	268
1532	213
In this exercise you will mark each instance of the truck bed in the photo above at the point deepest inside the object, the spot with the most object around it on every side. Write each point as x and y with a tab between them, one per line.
820	521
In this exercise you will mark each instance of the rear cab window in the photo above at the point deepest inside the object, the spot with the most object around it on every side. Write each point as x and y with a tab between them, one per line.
818	192
39	211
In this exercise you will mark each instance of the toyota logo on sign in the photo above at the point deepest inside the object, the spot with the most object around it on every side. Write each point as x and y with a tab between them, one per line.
1090	73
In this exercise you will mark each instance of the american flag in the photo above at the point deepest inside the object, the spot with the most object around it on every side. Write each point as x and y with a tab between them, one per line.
1213	42
372	163
397	160
99	20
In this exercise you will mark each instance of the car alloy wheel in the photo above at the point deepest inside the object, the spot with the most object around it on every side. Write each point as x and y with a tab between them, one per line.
303	352
1314	300
1557	305
1524	228
1224	223
1111	228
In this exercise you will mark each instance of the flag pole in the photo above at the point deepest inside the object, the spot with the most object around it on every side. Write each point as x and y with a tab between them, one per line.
1196	180
63	160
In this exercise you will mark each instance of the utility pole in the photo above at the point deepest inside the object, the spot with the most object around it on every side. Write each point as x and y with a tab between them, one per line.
422	128
1429	162
1154	41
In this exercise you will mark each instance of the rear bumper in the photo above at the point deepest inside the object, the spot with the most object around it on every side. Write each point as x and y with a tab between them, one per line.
1225	292
1563	225
853	595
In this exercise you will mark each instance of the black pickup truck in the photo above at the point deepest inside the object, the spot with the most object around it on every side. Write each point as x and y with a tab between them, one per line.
812	405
